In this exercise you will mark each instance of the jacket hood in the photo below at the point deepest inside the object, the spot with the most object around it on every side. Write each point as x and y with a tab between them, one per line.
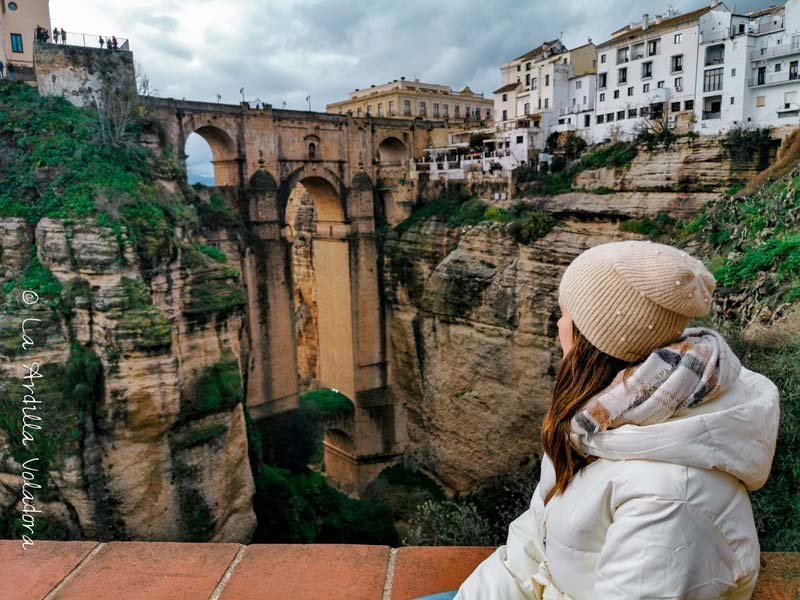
735	433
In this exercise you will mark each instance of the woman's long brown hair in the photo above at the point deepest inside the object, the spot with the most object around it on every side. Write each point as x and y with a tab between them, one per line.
583	372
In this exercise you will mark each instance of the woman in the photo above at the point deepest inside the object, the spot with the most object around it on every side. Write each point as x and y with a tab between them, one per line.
653	438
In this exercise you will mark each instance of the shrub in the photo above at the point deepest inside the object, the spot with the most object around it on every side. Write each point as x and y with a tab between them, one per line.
531	225
325	404
213	253
746	144
290	440
615	155
574	146
659	227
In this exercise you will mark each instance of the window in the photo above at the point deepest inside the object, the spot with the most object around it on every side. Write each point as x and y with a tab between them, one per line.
527	108
675	107
793	70
795	41
602	80
406	107
644	111
546	80
761	76
312	151
457	110
519	139
789	99
647	69
622	55
620	115
12	6
534	83
761	101
505	115
777	67
527	66
435	109
631	113
380	109
660	84
677	63
359	112
467	112
16	42
527	79
587	120
638	51
445	110
603	97
602	60
391	108
645	88
547	102
505	97
540	104
578	84
678	38
616	94
733	100
369	109
678	84
488	112
653	47
622	75
733	72
712	80
609	117
688	105
630	91
599	119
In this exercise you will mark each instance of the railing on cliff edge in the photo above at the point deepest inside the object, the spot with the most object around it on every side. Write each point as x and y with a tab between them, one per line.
89	40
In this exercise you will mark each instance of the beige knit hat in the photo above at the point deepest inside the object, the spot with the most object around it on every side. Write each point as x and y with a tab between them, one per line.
629	298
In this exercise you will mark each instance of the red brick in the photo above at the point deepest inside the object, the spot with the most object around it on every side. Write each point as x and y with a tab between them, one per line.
32	573
419	571
779	578
309	572
152	570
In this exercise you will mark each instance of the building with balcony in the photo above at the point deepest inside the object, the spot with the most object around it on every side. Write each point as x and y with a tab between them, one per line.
540	85
577	115
647	72
748	68
18	22
410	99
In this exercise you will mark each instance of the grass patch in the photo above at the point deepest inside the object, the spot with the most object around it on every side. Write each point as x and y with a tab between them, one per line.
325	404
655	228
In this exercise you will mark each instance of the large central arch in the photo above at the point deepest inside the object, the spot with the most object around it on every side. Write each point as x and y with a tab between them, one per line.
332	289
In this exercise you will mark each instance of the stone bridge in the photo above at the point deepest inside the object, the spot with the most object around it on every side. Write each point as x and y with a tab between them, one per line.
352	172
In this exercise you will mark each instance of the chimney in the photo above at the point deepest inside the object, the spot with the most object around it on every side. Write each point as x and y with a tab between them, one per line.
645	21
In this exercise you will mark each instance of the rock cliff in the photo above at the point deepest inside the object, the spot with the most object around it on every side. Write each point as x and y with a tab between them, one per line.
472	312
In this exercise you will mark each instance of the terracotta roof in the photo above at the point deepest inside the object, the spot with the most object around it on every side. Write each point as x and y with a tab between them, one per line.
507	88
653	27
536	51
191	571
760	13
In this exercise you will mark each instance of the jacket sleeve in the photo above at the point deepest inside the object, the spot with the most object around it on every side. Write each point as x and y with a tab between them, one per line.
507	574
663	549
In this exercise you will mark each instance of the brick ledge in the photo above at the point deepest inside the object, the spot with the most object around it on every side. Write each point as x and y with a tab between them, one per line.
185	571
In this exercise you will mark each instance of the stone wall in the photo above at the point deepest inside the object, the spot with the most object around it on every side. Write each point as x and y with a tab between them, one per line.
80	74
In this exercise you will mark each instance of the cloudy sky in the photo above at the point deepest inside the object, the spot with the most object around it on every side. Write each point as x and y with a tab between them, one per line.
284	50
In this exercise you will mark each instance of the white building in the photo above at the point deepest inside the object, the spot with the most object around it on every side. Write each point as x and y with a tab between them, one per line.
538	87
749	68
646	72
577	114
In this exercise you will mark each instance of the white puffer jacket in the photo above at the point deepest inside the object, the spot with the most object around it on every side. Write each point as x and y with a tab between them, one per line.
663	513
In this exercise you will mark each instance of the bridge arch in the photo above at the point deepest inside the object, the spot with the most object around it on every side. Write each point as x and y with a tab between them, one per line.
223	153
392	151
325	188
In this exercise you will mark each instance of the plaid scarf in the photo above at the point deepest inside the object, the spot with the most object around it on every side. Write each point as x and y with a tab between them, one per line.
696	369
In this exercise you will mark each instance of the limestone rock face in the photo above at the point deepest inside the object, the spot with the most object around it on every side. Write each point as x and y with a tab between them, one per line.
472	313
156	460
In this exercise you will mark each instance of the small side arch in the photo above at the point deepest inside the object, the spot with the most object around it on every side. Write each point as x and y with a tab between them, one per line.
392	151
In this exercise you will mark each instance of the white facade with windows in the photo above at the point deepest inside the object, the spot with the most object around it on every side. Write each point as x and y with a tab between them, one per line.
749	68
577	113
647	71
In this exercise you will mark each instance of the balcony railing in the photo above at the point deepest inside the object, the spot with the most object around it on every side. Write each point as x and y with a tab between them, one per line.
711	115
575	108
781	50
90	40
714	60
773	78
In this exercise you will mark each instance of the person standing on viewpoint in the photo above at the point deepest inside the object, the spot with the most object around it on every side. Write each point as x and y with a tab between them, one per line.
654	437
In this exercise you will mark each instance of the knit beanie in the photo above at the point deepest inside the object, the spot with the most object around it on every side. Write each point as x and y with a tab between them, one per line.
629	298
